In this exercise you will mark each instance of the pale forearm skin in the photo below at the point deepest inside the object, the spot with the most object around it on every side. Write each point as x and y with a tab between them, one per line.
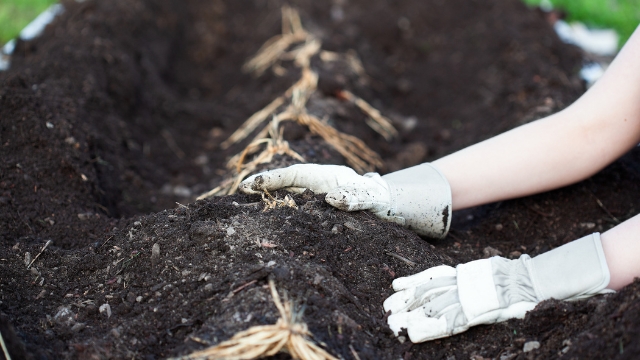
621	247
558	150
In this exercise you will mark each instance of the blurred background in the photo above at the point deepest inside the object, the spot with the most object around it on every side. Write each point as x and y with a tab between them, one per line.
16	14
620	15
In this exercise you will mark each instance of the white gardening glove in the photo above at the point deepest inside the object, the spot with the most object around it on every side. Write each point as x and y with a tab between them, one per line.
443	301
418	198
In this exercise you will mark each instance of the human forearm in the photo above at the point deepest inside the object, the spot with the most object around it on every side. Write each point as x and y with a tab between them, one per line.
533	158
561	149
622	249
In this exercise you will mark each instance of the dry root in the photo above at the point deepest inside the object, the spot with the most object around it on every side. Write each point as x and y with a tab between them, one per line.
270	53
271	202
269	142
376	121
274	145
289	334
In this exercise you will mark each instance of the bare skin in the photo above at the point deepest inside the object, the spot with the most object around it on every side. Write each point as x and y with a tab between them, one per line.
562	149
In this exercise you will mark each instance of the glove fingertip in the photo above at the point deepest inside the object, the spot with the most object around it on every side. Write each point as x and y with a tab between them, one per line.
245	187
422	328
339	199
423	277
397	322
398	302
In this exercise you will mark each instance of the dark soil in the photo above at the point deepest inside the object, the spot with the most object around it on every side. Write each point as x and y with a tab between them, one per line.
117	112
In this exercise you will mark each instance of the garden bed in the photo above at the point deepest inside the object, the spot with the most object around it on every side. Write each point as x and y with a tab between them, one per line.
111	125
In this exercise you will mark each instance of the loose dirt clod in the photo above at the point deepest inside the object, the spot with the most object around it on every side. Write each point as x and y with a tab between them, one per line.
289	334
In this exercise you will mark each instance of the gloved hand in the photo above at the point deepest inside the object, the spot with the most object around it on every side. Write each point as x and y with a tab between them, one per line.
418	198
443	301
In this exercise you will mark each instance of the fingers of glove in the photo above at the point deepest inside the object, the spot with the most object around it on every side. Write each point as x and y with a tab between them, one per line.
419	326
426	328
412	298
423	277
438	305
296	190
400	301
436	286
317	178
375	198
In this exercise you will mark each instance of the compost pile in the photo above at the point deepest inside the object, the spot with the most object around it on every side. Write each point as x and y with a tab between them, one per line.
112	123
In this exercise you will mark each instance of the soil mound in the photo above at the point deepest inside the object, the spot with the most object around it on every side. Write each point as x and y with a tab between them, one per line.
118	111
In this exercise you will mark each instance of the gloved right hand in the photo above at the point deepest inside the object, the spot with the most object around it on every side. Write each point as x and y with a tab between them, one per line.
418	198
444	301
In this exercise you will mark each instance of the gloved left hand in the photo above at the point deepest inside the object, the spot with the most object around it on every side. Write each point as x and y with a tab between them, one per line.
443	301
418	198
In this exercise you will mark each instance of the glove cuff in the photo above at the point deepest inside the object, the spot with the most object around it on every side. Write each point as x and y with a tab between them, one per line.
476	288
573	271
421	196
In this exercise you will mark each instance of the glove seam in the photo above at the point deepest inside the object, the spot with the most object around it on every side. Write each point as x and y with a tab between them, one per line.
393	198
540	295
597	242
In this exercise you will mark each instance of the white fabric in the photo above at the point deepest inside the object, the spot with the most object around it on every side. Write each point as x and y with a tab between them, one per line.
415	290
515	311
583	265
419	326
423	277
476	289
317	178
418	197
431	305
421	197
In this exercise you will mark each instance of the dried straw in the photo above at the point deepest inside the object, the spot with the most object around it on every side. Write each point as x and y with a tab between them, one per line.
272	50
289	334
274	145
269	142
376	121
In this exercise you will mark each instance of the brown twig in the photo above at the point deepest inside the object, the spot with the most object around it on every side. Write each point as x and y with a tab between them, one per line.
353	351
171	142
405	260
601	205
4	348
377	122
106	241
40	253
244	286
530	207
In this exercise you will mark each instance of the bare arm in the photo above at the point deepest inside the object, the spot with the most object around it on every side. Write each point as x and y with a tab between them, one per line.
621	247
562	149
558	150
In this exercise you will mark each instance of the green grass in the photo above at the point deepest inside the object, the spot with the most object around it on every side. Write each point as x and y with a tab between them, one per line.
621	15
16	14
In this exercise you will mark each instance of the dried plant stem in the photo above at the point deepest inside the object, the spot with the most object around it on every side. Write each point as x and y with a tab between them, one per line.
256	119
289	334
40	253
272	50
5	351
269	141
380	124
